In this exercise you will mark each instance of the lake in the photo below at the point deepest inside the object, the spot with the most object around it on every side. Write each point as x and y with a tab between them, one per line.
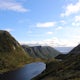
27	72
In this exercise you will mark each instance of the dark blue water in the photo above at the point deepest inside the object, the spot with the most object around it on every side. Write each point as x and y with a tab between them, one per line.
26	73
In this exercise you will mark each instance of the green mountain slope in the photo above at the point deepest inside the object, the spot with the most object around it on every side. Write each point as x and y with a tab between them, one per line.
12	55
44	52
67	69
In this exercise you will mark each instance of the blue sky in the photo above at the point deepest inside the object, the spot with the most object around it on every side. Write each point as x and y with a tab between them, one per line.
44	22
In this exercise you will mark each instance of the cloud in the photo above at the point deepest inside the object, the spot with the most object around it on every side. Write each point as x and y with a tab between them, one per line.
8	29
46	24
10	5
76	21
63	21
55	42
77	18
76	24
49	32
71	9
59	28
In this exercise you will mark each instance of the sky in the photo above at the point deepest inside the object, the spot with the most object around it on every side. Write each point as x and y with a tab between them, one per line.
42	22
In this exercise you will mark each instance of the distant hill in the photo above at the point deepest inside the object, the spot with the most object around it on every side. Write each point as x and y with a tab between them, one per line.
44	52
12	55
67	69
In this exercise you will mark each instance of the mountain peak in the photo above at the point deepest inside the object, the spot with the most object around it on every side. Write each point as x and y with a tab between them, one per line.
75	50
4	31
12	55
7	42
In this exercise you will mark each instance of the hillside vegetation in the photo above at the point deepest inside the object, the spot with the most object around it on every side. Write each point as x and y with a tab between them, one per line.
67	69
12	55
43	52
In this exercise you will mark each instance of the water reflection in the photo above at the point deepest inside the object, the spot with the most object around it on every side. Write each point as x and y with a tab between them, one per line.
26	73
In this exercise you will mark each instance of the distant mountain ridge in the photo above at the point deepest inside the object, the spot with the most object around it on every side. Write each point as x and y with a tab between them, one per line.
44	52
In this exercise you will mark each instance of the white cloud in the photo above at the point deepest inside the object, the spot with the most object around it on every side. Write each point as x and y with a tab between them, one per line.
8	29
76	21
46	24
77	18
71	8
76	24
10	5
63	21
49	32
59	28
73	24
55	42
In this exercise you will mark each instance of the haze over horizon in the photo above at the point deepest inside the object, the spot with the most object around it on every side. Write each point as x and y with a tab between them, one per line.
42	22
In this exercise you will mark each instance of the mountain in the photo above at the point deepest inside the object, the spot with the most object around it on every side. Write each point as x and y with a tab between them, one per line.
44	52
12	55
61	56
67	69
75	50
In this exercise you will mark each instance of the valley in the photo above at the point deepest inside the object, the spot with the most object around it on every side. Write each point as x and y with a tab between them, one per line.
59	66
